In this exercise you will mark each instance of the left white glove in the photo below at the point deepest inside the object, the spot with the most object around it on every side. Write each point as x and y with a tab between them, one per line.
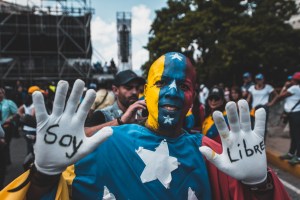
60	139
243	156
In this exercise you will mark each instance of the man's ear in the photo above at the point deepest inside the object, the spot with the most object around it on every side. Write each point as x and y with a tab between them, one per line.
145	89
115	89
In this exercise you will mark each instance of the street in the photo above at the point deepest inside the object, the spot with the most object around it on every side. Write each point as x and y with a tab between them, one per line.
18	152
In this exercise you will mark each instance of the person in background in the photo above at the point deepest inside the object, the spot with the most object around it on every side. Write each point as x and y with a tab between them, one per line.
104	98
203	93
8	114
235	94
227	94
198	111
291	94
126	106
262	95
247	83
215	102
2	157
25	111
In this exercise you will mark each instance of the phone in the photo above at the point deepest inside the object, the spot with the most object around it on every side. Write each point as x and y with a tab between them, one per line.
145	113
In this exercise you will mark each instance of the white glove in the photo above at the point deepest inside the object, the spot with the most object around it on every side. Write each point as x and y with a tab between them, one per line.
61	140
243	156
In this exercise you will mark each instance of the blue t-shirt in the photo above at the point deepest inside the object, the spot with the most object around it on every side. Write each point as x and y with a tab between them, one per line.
116	165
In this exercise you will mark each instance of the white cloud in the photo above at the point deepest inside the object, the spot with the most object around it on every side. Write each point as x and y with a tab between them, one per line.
104	40
141	23
140	20
104	37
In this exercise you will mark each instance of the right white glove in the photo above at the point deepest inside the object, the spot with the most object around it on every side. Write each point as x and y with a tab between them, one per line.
61	140
244	155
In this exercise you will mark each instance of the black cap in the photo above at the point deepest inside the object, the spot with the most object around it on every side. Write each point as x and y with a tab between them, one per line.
216	92
124	77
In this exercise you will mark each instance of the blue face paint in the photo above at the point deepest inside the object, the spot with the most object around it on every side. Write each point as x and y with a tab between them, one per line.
171	96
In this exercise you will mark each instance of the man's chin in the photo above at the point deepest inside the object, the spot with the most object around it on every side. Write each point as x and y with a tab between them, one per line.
132	101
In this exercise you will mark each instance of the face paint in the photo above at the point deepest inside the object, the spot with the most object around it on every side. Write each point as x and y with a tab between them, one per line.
169	91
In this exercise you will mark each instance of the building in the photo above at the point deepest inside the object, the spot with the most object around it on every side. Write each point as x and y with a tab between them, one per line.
45	42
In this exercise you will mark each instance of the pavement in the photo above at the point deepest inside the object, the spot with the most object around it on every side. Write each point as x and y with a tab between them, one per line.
277	146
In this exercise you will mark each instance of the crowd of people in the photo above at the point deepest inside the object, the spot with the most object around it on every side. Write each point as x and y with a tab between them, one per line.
160	113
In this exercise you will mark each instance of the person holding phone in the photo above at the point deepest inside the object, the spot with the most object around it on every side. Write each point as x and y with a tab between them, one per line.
126	109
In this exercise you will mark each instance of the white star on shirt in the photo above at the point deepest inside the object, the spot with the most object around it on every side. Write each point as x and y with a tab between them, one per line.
107	195
173	85
176	56
159	164
191	194
168	119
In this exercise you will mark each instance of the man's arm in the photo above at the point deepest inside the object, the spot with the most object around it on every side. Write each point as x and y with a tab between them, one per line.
128	117
89	131
274	99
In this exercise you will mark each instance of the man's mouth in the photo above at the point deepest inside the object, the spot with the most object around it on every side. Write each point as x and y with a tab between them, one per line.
170	107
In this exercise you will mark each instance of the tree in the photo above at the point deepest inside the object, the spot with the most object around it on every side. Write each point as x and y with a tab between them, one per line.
230	38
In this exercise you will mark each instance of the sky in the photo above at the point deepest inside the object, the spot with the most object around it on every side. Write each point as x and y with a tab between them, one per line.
103	27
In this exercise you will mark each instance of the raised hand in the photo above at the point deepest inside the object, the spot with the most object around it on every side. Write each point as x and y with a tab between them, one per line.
61	140
243	156
130	115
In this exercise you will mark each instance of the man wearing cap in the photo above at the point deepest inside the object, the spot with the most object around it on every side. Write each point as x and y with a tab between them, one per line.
247	82
259	95
125	109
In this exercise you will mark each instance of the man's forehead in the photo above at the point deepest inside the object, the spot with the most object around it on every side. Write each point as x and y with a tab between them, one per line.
173	65
133	83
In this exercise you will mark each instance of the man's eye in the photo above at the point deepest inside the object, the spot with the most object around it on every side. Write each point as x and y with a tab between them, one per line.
160	83
183	86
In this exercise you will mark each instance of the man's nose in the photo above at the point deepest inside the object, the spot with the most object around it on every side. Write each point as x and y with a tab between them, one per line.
172	89
134	90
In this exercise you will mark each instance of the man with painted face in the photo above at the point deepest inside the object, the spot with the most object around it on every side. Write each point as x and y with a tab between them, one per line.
157	161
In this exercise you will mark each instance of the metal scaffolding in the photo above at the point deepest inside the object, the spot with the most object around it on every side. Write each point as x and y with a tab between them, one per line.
47	42
124	40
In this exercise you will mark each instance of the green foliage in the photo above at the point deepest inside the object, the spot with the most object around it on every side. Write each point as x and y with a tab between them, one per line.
231	40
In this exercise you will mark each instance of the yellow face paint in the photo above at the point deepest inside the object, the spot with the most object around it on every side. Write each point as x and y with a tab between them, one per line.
152	92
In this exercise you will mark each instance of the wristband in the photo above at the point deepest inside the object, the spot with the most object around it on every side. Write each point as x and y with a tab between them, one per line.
119	121
264	186
43	180
38	179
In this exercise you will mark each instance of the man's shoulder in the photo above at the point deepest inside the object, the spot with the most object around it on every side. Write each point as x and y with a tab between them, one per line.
107	108
8	101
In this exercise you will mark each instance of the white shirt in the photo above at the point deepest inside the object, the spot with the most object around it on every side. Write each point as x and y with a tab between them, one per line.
203	94
260	97
28	110
291	101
